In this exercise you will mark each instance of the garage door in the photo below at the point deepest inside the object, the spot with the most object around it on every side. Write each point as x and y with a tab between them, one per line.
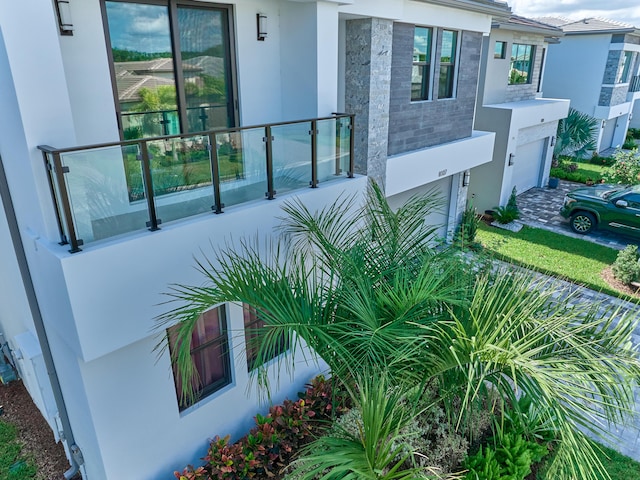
443	190
527	166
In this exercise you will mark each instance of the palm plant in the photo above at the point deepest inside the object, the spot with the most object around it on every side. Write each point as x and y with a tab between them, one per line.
365	289
576	135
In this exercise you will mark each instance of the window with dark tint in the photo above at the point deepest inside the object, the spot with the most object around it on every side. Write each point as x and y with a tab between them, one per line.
521	64
209	353
500	50
625	68
171	66
446	85
421	71
253	332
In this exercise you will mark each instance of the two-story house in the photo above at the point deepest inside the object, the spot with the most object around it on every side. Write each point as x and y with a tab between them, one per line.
596	66
510	104
136	135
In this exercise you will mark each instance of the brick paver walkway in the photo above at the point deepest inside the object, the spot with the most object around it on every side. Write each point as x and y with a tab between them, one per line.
539	207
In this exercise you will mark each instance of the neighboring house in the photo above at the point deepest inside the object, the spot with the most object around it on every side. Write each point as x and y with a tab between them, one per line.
597	67
509	103
106	226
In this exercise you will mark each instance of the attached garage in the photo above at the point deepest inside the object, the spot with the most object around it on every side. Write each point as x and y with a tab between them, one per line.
442	188
527	167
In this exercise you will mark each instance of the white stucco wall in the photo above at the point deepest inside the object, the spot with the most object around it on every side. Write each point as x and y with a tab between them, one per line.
575	68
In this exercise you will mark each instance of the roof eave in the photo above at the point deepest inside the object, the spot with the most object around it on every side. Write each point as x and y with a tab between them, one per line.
554	32
489	7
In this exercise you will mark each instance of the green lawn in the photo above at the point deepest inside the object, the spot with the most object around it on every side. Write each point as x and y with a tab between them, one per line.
584	172
576	260
13	465
619	466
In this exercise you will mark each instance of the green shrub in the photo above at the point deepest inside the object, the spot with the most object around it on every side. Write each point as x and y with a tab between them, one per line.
529	419
606	161
626	169
635	133
629	145
626	267
512	203
466	234
511	459
509	212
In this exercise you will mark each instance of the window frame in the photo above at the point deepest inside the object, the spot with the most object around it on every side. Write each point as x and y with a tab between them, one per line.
503	51
219	342
624	70
452	66
251	328
532	59
426	89
181	103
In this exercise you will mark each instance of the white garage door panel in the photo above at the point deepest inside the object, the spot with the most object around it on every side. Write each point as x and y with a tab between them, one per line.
607	134
527	166
443	189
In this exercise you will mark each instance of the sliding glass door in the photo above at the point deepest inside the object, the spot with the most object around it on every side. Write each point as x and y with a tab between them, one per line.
172	66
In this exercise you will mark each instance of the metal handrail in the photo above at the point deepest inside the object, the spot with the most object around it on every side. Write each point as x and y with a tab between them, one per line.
62	201
634	85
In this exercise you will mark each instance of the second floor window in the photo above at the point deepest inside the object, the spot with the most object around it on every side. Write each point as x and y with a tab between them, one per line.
625	68
521	69
446	83
421	71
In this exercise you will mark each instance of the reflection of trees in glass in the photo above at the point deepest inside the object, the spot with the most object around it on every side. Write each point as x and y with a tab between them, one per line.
124	55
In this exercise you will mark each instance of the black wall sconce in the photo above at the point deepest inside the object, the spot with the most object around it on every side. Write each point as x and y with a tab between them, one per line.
63	11
512	159
553	141
465	178
262	26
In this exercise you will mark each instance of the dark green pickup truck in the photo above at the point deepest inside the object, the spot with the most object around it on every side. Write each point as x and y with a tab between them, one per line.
608	207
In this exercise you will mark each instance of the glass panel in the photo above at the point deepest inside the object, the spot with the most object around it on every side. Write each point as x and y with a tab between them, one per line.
181	177
204	67
291	156
100	183
422	45
520	71
345	145
58	197
143	64
447	64
420	79
329	149
499	49
242	164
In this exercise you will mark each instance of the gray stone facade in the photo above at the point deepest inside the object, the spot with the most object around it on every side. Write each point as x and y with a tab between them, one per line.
611	69
612	96
416	125
367	89
620	38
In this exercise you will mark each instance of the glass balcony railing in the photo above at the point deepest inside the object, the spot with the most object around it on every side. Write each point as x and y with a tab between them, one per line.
101	191
634	85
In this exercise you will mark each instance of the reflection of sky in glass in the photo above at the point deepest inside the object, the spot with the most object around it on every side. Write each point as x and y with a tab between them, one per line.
142	28
199	29
421	44
448	44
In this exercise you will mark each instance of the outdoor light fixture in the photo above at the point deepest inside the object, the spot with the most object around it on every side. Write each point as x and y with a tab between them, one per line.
604	122
512	158
465	178
63	10
262	26
553	141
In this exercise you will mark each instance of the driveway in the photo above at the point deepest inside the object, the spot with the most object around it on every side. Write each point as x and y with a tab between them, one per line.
540	207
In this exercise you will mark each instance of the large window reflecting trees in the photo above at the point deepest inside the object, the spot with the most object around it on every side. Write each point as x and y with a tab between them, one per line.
172	67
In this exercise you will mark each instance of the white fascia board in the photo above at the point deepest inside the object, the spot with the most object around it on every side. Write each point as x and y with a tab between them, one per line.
534	112
607	113
421	167
628	47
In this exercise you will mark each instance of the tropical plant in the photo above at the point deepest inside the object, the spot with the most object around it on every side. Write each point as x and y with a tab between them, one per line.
365	289
465	236
576	134
509	212
625	170
626	268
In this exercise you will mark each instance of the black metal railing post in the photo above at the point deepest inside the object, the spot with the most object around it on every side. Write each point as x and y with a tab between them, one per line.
338	159
215	174
314	154
148	187
49	166
352	136
59	171
268	139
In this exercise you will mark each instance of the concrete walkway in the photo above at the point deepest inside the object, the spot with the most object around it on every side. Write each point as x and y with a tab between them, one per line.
539	207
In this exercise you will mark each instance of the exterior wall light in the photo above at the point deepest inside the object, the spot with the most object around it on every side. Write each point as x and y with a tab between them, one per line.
465	178
63	11
604	123
512	159
262	26
553	141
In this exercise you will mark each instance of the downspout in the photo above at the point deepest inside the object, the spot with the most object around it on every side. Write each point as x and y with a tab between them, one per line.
66	434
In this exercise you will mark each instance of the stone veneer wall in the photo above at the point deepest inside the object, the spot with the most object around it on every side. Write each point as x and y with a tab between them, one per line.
367	88
416	125
526	91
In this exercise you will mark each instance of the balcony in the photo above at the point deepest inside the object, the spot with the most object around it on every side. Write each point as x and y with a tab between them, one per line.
101	191
634	84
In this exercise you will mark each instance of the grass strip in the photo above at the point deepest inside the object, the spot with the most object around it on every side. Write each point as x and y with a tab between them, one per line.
13	464
568	258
